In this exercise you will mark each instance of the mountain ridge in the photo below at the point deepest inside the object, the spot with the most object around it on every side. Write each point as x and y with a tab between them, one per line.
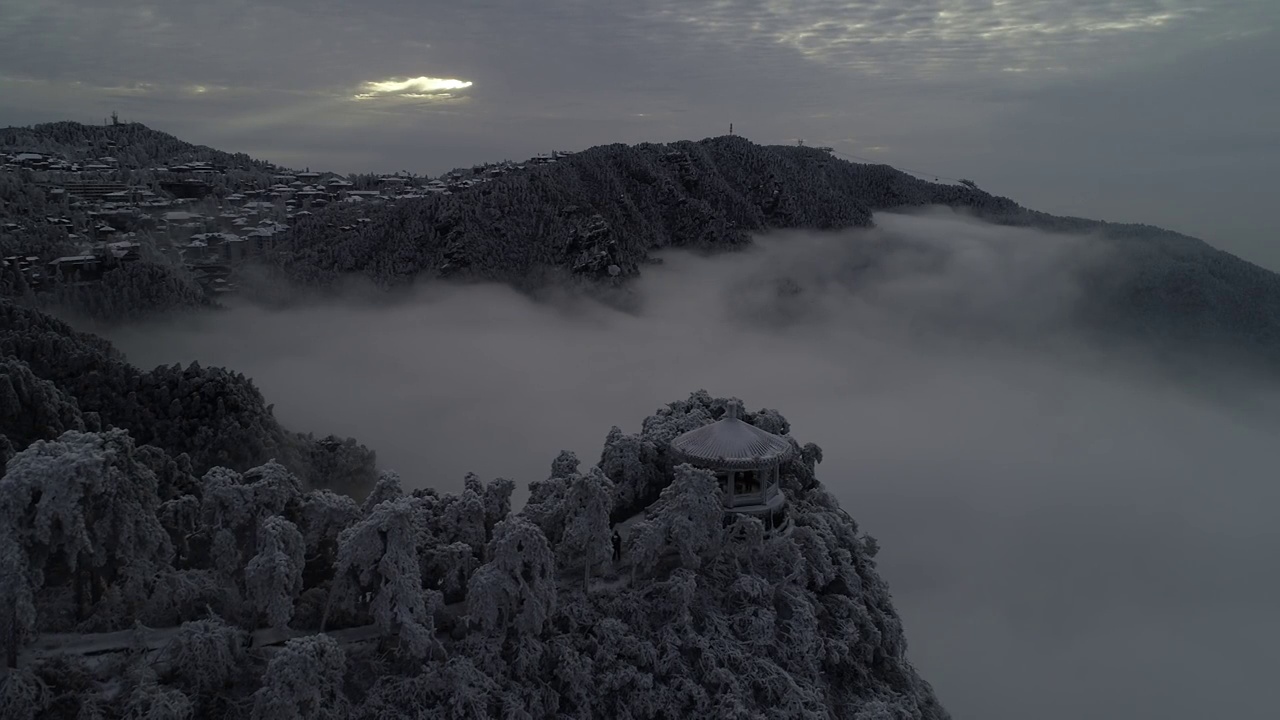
133	144
597	216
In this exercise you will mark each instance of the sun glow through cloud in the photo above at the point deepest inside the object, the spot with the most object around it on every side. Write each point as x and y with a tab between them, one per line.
428	88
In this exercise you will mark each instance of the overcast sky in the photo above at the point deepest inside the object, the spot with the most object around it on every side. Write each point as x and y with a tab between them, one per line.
1158	111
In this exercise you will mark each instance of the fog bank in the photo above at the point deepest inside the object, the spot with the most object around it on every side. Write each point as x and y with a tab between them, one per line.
1066	534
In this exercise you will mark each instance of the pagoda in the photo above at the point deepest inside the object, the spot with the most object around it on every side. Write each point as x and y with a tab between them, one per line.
746	462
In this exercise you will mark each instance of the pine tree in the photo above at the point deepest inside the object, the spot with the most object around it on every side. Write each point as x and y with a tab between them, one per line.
586	539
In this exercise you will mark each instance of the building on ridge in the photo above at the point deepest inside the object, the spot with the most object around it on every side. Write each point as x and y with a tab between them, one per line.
746	461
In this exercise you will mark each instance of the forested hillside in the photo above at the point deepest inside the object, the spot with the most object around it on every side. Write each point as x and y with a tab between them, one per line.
243	594
134	145
597	216
53	379
600	212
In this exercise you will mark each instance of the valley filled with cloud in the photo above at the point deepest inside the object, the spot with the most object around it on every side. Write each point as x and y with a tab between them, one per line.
1067	531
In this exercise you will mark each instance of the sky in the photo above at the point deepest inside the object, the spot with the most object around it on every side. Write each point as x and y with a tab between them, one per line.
1164	112
1065	533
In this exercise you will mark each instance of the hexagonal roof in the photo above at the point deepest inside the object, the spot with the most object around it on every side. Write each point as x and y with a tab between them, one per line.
731	444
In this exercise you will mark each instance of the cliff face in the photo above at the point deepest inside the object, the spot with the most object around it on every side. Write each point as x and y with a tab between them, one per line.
596	217
445	605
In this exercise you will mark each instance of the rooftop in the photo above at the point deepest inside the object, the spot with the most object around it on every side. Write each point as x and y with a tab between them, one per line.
730	443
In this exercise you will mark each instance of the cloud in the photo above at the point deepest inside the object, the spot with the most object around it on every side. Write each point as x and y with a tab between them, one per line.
418	88
933	38
1065	533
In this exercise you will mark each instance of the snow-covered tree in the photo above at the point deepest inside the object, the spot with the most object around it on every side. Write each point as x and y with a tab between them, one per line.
23	695
516	588
379	555
387	488
81	508
688	518
587	538
204	656
631	462
303	681
152	701
462	519
565	465
17	598
233	506
180	517
546	504
451	564
274	576
325	514
497	502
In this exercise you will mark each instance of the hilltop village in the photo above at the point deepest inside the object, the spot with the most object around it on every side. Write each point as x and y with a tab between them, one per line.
69	217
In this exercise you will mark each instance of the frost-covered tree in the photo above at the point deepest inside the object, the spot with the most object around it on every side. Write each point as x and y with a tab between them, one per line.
565	465
631	463
274	575
516	588
152	701
32	408
387	488
180	517
451	564
587	532
82	513
546	504
496	497
497	502
304	681
203	656
17	599
687	519
462	518
325	514
238	502
23	695
379	555
233	508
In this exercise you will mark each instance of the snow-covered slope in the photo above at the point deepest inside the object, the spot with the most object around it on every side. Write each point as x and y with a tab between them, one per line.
427	605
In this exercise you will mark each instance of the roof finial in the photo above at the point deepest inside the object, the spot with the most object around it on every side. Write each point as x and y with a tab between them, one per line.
733	409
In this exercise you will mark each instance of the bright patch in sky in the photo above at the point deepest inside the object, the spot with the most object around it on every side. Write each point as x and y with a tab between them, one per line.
419	87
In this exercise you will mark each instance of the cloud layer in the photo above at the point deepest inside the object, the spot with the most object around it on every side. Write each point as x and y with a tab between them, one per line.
416	88
1066	535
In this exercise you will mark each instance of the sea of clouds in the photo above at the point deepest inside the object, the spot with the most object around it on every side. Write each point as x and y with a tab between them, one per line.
1068	532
